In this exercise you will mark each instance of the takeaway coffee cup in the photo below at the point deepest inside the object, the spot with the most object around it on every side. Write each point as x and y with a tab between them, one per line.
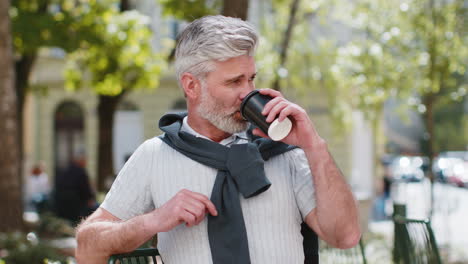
251	110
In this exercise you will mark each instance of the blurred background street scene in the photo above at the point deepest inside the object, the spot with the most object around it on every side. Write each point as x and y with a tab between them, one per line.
84	82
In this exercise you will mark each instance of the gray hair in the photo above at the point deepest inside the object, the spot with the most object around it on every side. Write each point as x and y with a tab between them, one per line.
212	38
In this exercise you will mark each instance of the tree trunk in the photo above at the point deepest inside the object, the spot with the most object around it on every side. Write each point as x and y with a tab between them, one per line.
428	101
106	109
429	139
124	5
236	8
23	69
285	43
10	184
107	106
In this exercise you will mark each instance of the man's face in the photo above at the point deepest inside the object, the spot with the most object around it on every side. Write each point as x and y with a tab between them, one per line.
223	90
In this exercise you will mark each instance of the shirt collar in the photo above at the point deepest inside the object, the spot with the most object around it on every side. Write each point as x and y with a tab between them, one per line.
232	139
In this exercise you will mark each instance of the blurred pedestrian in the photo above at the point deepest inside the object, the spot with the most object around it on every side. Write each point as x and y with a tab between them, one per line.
381	203
37	189
74	196
387	182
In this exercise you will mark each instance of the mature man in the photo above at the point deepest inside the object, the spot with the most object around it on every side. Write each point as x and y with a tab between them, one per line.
260	190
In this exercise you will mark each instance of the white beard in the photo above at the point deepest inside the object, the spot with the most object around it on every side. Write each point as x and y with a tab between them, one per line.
219	116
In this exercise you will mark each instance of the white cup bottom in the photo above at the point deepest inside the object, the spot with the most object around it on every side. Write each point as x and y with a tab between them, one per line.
279	130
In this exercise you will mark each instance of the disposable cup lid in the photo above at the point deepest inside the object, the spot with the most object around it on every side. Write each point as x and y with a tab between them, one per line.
279	130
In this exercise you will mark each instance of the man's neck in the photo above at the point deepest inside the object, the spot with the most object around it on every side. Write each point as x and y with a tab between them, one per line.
205	128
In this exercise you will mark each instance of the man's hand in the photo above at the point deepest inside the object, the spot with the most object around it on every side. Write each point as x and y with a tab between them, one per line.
103	234
185	207
303	133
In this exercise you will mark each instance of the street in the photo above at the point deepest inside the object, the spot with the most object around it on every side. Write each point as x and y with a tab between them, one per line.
449	217
450	220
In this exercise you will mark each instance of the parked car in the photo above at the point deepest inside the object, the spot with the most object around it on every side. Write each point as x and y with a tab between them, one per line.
452	167
408	168
459	175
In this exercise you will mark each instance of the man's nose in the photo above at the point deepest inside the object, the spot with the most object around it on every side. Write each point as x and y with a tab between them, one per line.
245	91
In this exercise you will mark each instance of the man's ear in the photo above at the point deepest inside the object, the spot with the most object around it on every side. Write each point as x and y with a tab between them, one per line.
191	85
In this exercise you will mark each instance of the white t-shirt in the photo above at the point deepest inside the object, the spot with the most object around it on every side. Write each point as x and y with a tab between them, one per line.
156	172
37	185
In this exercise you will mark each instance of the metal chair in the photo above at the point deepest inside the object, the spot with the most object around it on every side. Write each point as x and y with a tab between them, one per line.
414	242
355	255
138	256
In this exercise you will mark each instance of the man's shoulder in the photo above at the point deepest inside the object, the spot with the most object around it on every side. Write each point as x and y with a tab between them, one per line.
152	143
155	144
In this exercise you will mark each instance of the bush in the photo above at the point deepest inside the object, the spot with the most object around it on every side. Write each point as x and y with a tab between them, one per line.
53	226
20	248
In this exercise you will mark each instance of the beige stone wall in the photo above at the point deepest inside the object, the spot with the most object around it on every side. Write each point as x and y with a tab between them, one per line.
152	104
44	112
40	111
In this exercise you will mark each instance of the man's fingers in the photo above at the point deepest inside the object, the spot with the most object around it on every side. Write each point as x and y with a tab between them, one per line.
197	208
270	92
285	112
188	218
210	206
274	112
267	108
259	132
205	200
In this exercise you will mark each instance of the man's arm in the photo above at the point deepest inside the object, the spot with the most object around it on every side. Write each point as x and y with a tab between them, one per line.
103	234
335	218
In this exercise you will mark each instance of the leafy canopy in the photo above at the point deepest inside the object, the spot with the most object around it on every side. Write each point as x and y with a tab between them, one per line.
67	24
124	60
408	49
190	9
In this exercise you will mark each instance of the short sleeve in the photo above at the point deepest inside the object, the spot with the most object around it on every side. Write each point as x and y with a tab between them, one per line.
130	194
303	183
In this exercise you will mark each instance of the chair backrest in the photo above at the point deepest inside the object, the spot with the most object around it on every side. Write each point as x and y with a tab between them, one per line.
355	255
138	256
415	242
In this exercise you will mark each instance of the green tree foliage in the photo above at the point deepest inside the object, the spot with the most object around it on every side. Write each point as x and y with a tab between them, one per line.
190	9
309	56
451	131
124	60
67	24
109	51
415	50
273	25
54	23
